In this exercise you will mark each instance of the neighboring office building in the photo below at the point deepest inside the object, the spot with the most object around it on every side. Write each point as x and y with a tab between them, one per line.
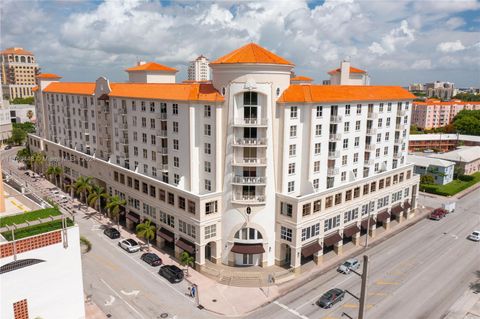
441	170
18	71
41	275
226	178
441	142
199	70
466	158
433	113
348	75
416	87
441	90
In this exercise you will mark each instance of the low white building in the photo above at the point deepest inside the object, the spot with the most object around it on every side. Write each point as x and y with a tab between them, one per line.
22	113
441	170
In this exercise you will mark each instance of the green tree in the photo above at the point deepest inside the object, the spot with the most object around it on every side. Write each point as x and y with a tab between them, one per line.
37	160
23	155
146	230
426	179
55	172
18	136
113	207
187	260
467	97
467	125
83	185
19	100
95	197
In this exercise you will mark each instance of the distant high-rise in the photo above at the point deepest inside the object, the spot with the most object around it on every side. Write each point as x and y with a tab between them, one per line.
441	90
198	69
18	71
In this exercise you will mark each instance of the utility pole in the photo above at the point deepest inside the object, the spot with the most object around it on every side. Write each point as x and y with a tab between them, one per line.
368	228
363	291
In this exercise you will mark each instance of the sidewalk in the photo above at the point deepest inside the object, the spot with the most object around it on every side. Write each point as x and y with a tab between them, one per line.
466	307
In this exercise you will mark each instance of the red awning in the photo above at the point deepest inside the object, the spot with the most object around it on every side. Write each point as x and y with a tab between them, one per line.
185	245
311	249
383	216
332	239
365	222
406	205
396	210
134	217
166	234
239	248
351	230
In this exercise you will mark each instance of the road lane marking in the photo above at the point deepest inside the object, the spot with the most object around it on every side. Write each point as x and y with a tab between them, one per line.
315	298
133	292
383	282
118	295
293	311
355	305
378	294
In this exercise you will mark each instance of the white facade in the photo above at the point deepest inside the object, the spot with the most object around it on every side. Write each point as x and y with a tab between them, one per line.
53	287
199	70
346	75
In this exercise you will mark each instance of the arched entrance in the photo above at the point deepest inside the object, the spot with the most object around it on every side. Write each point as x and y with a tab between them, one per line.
288	255
248	247
210	251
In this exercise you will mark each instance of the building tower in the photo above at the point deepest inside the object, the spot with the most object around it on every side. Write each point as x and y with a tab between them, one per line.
198	69
18	71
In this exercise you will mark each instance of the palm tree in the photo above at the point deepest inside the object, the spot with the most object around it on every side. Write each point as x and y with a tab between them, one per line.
95	196
113	207
83	185
56	172
187	260
146	230
23	155
38	159
72	188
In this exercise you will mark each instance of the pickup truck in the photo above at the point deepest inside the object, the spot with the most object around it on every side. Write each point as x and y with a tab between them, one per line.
449	207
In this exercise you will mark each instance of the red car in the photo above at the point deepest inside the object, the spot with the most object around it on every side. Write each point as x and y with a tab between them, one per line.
438	214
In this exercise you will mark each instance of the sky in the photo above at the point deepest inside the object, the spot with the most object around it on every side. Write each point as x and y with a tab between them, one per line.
397	42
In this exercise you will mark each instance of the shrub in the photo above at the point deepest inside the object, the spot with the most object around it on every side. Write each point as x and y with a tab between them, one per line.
85	242
466	178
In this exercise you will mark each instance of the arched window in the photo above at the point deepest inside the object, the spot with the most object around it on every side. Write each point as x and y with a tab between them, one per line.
223	91
248	234
278	91
16	58
22	59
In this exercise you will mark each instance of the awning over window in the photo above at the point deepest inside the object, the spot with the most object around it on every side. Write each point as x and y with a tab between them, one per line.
311	249
351	230
396	210
185	245
364	223
406	205
134	217
166	234
383	216
248	248
332	239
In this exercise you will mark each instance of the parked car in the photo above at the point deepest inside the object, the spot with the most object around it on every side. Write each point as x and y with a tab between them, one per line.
331	297
129	245
151	259
111	232
348	265
172	273
438	214
475	236
8	147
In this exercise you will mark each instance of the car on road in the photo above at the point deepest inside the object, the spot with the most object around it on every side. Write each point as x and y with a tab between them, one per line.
475	235
438	214
112	233
8	147
330	298
348	265
172	273
151	259
129	245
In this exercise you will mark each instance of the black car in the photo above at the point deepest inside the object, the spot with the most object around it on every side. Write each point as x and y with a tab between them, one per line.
112	233
151	259
331	297
171	273
8	147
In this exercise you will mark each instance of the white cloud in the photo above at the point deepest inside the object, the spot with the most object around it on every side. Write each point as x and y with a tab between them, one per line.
455	22
397	37
451	46
424	64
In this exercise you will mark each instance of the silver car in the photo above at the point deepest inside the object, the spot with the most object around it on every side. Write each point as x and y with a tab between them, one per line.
350	264
129	245
475	236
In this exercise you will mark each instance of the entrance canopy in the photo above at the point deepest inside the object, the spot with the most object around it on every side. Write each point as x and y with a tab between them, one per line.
166	234
311	249
185	245
351	230
383	216
332	239
239	248
134	217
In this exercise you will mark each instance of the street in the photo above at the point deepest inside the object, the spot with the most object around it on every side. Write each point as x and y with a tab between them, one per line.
419	273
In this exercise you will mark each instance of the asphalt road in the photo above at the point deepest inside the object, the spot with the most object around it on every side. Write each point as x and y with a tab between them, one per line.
121	284
417	274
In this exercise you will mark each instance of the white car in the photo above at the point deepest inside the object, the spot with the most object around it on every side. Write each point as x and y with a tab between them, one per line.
350	264
475	236
129	245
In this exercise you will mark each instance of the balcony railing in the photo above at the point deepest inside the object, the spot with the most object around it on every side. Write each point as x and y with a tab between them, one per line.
368	162
372	116
401	112
162	116
248	199
162	167
250	122
398	140
400	127
162	133
332	171
258	180
123	140
335	137
370	147
123	111
250	161
336	119
162	150
250	141
333	154
371	131
123	126
397	155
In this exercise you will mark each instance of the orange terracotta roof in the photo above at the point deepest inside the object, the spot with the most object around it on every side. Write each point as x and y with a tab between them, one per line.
84	88
151	66
251	53
48	76
20	51
352	70
35	88
297	93
167	91
301	78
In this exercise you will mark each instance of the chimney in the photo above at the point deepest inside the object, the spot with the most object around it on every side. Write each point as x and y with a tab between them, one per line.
141	62
344	72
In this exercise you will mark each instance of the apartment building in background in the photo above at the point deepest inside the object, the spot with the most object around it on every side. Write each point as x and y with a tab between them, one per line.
18	71
248	169
440	90
199	69
441	142
434	113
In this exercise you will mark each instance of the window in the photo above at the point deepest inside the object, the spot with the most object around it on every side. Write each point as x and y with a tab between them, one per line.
176	179
385	150
329	202
175	109
373	187
310	231
175	127
347	109
211	207
338	199
319	111
153	139
293	112
175	145
317	148
306	209
355	157
207	167
316	166
388	122
359	108
208	185
346	127
152	106
317	206
144	138
291	186
293	131
318	130
171	199
350	215
153	191
406	193
286	209
292	150
356	141
207	111
380	122
343	176
144	122
208	148
344	160
210	231
152	123
331	223
176	161
345	143
145	188
291	168
207	130
316	183
186	228
167	219
382	202
285	233
379	137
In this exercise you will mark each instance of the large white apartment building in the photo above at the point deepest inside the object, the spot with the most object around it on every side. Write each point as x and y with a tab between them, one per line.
247	170
198	69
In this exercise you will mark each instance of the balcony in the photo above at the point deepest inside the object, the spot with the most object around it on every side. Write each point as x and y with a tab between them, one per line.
122	111
371	131
162	167
243	180
162	116
162	150
400	127
123	126
401	112
372	116
399	141
246	199
368	162
124	140
370	147
397	155
335	137
333	154
242	122
162	133
336	119
250	161
244	141
332	171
